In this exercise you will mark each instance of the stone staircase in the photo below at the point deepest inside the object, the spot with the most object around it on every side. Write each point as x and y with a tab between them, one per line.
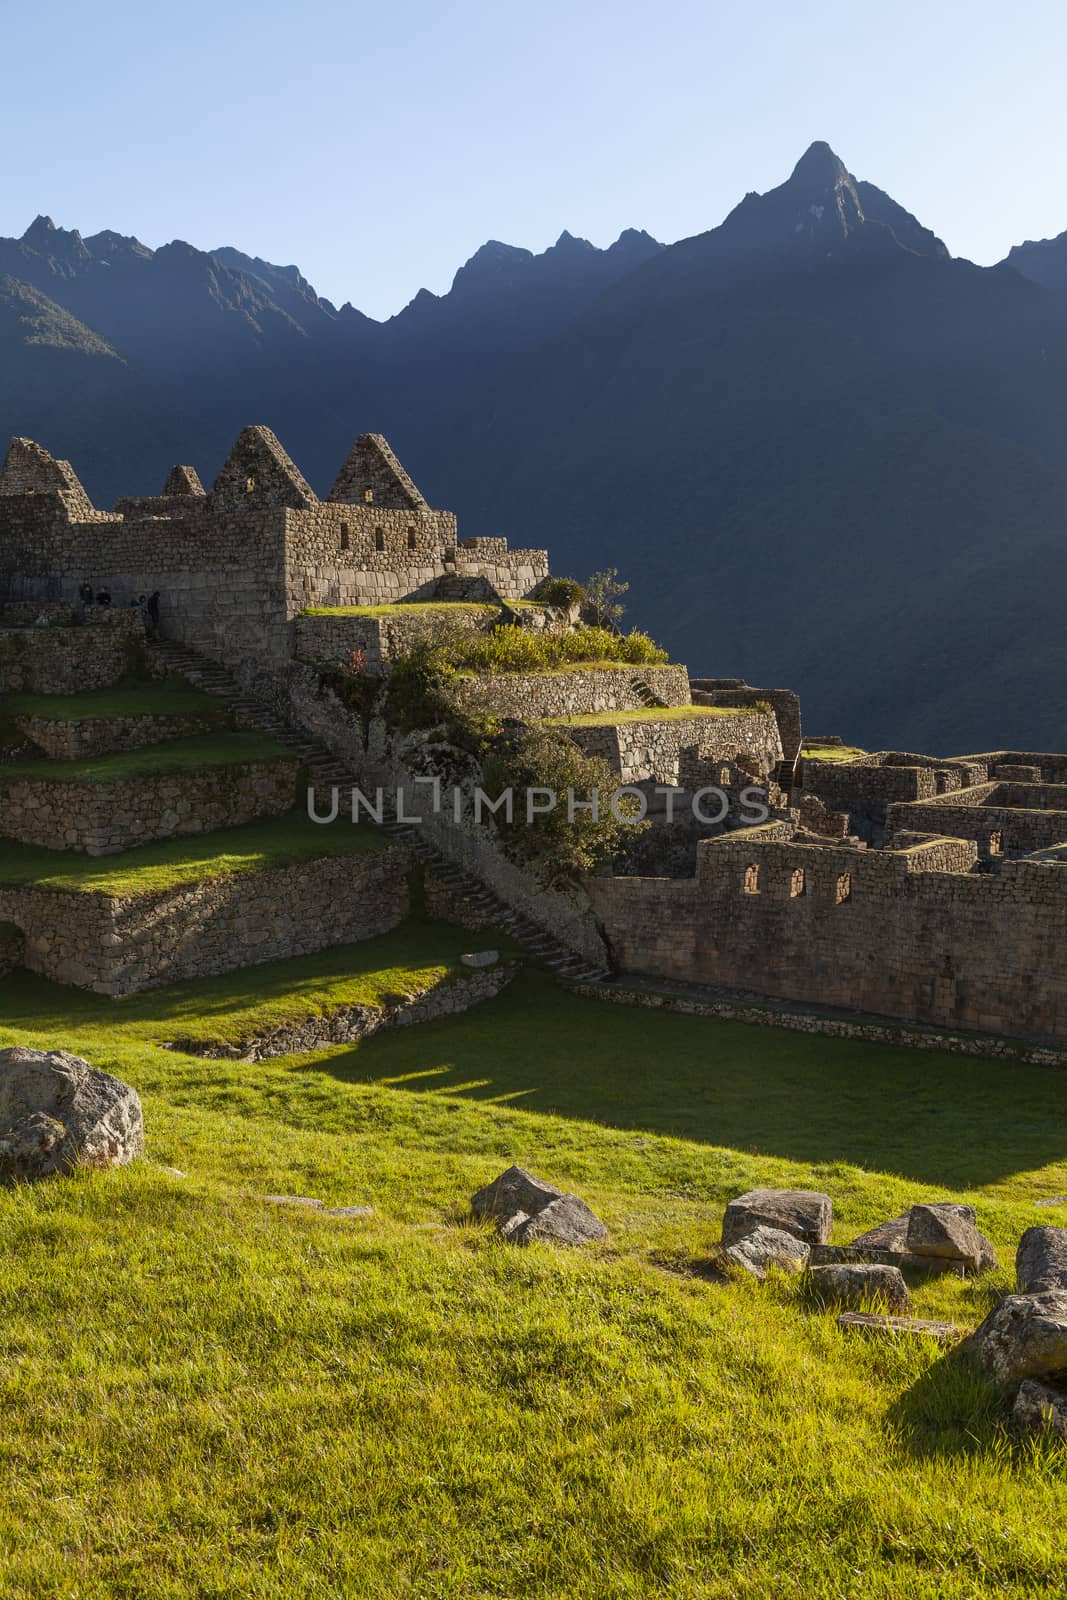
327	770
646	694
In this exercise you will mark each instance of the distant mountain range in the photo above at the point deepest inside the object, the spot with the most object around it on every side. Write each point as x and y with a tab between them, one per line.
827	454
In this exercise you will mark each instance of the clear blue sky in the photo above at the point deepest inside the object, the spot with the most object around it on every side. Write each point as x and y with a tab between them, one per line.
378	145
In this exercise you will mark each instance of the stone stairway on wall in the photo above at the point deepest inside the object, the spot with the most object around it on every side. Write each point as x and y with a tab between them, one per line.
646	694
326	769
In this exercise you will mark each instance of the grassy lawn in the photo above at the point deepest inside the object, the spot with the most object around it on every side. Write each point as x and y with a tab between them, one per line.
831	752
607	719
401	609
153	867
207	1396
179	755
172	697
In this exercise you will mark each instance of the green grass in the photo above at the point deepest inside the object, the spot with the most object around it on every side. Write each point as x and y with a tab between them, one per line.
207	1396
179	755
410	609
607	719
831	752
172	697
150	868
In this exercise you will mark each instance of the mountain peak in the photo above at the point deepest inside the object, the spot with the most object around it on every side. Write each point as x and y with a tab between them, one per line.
39	229
820	168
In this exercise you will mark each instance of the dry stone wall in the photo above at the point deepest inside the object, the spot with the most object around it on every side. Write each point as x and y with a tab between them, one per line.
683	749
97	736
532	696
328	640
103	818
118	946
67	660
885	932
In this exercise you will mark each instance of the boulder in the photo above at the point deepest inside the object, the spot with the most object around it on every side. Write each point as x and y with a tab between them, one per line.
804	1213
946	1229
567	1220
764	1248
1024	1336
875	1325
891	1235
1041	1260
480	958
858	1286
58	1112
1040	1406
514	1190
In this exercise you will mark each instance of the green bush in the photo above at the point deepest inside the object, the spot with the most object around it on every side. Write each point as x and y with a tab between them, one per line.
561	848
514	649
559	592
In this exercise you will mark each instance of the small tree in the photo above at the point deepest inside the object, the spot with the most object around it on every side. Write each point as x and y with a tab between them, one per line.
602	593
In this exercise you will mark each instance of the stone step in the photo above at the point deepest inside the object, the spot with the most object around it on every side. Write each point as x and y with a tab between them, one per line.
875	1324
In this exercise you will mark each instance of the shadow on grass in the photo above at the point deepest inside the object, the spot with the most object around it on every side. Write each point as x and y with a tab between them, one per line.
954	1410
936	1119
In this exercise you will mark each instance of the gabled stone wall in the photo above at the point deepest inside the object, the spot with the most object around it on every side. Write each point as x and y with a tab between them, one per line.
573	692
684	749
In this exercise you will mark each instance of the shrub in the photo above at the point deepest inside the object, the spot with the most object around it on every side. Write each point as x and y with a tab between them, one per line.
514	649
562	848
602	593
559	592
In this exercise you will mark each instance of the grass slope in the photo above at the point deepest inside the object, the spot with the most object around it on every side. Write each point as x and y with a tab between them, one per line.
280	842
178	755
606	719
172	697
207	1396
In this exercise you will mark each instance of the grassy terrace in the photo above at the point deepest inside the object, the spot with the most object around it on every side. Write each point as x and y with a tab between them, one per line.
607	719
171	698
154	867
831	752
180	755
409	609
205	1395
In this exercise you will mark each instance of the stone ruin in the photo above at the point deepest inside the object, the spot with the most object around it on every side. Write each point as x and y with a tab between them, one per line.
926	890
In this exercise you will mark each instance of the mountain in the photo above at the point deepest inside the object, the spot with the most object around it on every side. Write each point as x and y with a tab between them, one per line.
1044	261
826	454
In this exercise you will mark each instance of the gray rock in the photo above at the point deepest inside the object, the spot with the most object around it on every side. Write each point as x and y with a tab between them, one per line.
567	1220
858	1286
514	1190
764	1248
294	1200
481	958
1041	1260
1040	1407
1052	1200
513	1224
348	1211
947	1229
58	1112
874	1324
825	1254
802	1212
891	1235
1025	1336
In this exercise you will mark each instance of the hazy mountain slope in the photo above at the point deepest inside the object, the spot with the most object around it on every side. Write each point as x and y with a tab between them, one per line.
825	453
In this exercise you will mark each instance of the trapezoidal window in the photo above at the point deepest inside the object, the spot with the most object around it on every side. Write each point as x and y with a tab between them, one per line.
724	777
844	887
996	844
368	495
250	484
411	539
379	539
752	879
345	539
797	883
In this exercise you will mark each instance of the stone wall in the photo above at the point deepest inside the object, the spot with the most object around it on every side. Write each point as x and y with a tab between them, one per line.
784	704
12	948
68	660
327	640
104	818
885	932
97	736
998	829
531	696
684	750
121	946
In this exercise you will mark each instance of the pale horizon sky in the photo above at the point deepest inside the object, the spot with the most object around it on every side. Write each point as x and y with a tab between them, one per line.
379	148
